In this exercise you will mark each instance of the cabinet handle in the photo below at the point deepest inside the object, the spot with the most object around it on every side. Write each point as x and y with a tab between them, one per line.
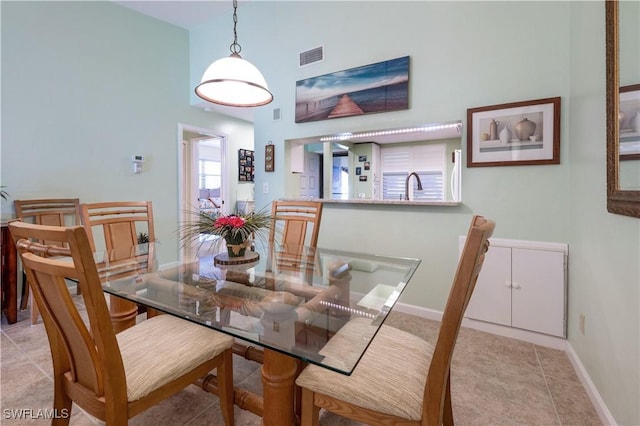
515	285
507	284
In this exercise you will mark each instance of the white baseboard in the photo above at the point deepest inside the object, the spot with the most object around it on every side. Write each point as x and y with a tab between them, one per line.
601	408
497	329
531	337
546	340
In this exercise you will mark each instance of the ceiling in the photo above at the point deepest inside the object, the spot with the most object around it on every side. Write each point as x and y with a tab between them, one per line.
185	14
190	14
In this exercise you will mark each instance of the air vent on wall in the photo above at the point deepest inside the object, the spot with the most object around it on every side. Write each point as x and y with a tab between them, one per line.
276	114
311	56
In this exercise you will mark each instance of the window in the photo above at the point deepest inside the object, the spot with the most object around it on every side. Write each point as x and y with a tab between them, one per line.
428	161
210	174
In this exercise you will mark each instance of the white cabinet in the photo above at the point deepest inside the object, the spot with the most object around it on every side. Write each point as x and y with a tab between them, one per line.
523	285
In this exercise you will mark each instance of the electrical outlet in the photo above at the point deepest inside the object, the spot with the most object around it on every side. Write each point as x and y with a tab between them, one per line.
265	188
581	323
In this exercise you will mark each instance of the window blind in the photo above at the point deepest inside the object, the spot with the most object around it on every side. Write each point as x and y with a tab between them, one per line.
428	161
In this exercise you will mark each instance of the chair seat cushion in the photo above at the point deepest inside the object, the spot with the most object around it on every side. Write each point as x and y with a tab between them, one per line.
163	348
390	377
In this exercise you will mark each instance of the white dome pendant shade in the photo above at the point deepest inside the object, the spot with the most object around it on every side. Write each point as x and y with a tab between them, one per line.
233	81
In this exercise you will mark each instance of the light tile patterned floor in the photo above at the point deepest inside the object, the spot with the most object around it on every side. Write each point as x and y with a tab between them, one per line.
495	381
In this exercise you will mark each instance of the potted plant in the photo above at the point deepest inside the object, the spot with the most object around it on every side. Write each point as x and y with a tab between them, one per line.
143	238
237	229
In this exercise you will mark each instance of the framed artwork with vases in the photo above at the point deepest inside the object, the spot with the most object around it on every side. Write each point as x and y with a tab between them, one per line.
629	122
513	134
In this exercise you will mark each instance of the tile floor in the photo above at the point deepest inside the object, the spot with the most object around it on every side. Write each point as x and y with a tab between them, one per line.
495	381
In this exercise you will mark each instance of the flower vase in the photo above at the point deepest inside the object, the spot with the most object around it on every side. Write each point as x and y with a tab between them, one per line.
236	245
505	135
524	129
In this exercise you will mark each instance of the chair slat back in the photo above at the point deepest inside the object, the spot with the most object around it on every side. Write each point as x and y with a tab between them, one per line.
51	211
83	351
119	223
295	224
469	265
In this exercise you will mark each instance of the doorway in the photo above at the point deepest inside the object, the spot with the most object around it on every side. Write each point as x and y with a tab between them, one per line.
311	179
202	173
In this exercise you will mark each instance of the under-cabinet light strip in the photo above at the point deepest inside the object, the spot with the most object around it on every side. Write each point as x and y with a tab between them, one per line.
424	128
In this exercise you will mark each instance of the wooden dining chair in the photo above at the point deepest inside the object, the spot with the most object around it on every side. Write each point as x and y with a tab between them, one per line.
117	224
112	377
295	225
117	227
50	211
401	379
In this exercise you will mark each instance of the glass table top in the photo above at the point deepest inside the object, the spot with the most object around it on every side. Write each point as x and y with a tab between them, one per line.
290	299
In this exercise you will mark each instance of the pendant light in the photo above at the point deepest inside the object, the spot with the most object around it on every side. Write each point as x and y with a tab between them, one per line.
233	81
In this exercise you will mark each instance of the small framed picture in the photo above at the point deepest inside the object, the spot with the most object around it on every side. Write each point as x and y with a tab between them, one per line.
367	165
362	158
358	171
363	178
269	153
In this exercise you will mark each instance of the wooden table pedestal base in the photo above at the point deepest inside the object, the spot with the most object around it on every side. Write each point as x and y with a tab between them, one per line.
277	406
123	313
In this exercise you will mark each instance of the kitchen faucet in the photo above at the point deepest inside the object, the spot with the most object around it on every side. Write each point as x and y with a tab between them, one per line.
406	184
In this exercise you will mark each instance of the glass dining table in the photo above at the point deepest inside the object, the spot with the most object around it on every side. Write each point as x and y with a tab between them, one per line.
284	305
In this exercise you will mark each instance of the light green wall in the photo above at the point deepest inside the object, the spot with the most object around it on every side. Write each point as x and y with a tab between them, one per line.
604	249
457	62
465	55
85	85
454	66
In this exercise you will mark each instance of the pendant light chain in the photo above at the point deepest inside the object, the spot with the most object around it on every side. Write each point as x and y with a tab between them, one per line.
235	46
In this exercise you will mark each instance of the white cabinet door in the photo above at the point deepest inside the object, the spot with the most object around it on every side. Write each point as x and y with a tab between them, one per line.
491	299
522	284
538	287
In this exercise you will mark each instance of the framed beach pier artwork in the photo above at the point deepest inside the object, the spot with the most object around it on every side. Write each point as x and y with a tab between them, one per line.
379	87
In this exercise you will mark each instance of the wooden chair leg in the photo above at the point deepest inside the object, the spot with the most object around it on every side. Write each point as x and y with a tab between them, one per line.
34	311
225	386
61	405
27	299
115	416
447	416
310	413
24	297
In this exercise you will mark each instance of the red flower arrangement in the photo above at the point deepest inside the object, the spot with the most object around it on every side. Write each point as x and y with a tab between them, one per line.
236	229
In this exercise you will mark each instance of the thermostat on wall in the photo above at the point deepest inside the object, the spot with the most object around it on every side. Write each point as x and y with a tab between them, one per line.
137	161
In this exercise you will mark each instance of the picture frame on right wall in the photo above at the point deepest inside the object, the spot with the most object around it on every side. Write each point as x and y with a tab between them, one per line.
514	134
629	122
